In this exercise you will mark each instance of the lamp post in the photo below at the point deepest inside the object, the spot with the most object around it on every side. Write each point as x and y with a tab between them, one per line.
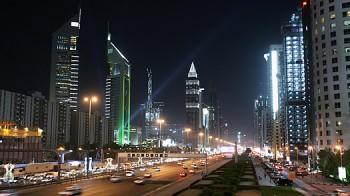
310	148
160	121
90	100
201	134
338	147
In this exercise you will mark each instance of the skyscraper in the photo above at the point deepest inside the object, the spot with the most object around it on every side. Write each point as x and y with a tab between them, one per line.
117	94
276	88
329	34
152	112
261	121
296	102
193	107
64	79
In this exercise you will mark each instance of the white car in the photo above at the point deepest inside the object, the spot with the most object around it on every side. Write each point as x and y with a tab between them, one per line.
129	173
72	190
139	180
147	175
115	179
156	169
142	169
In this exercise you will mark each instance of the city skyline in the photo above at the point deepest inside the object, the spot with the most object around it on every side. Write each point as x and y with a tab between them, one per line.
167	73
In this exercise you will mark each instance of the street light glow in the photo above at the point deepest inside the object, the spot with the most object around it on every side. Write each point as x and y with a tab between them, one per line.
160	121
86	99
94	99
201	134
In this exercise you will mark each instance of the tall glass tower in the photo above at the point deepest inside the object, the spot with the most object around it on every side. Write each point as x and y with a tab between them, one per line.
296	101
64	84
117	95
193	107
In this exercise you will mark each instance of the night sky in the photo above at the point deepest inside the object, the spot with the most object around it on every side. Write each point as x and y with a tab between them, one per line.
225	39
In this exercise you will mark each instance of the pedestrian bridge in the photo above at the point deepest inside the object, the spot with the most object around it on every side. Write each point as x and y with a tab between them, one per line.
151	155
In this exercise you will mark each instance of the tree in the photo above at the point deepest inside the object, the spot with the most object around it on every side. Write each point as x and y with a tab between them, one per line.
328	162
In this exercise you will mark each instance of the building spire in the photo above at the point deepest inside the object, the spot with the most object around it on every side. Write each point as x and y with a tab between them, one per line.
108	32
192	73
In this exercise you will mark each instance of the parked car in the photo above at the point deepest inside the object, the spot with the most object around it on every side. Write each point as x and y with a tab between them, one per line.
284	182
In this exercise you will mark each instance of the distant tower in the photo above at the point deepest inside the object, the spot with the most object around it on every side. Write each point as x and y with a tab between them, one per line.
193	107
64	78
117	95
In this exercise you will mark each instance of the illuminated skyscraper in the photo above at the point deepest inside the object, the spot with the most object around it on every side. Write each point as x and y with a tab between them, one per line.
64	84
296	101
117	94
193	107
276	93
152	112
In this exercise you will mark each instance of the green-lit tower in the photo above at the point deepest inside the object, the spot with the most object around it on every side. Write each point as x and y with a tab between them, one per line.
117	95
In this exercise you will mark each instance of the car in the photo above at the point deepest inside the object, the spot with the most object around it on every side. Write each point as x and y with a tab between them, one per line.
339	192
191	171
139	180
142	169
184	167
156	169
194	166
72	190
284	182
179	163
183	174
8	192
115	179
129	173
147	175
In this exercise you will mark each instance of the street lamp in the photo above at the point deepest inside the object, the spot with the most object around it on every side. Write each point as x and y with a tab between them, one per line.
310	157
160	121
338	147
90	100
201	134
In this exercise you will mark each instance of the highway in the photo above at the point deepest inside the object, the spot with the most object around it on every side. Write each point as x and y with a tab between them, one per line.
102	186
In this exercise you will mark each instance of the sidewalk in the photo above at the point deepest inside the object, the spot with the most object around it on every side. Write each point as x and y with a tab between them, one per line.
265	179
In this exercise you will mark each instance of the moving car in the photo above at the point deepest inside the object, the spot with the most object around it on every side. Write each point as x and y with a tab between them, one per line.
72	190
183	174
147	175
115	179
142	169
184	167
191	171
156	169
8	192
139	180
284	182
129	173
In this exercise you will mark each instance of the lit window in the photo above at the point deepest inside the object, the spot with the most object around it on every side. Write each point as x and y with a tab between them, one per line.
332	16
346	22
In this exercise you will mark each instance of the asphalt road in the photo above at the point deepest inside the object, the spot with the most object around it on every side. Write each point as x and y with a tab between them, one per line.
102	186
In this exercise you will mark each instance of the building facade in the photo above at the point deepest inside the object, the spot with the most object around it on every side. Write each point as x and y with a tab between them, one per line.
276	92
117	95
20	145
296	123
64	78
193	107
329	24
